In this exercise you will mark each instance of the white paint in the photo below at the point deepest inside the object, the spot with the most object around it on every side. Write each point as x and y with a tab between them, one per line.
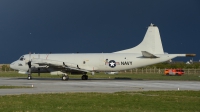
90	62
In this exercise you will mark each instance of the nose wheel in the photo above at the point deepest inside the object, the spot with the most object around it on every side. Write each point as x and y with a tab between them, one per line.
29	77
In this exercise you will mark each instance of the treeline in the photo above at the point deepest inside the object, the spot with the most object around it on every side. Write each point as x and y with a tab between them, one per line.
6	68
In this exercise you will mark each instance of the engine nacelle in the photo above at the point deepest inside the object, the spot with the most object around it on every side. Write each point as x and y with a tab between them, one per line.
76	72
38	66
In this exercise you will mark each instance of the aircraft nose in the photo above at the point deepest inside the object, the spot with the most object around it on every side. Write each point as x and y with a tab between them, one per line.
12	65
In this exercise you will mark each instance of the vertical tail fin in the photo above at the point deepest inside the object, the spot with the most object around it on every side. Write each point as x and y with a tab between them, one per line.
151	43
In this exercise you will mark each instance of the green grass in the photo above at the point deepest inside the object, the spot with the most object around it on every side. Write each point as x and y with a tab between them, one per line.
151	101
186	77
12	87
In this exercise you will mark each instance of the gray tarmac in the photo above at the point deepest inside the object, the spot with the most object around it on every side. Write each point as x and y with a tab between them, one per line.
49	85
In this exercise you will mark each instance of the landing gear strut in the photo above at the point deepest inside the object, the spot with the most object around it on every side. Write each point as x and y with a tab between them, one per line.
65	77
84	77
29	71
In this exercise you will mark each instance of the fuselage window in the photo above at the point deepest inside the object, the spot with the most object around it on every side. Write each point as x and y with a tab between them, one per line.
20	64
83	62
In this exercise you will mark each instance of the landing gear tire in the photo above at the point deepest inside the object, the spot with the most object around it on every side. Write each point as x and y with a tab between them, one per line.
29	77
84	77
65	77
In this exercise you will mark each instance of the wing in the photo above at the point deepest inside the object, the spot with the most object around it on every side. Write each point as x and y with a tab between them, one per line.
58	64
75	68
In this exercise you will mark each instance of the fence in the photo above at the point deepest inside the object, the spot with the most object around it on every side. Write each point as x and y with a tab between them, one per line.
157	71
133	71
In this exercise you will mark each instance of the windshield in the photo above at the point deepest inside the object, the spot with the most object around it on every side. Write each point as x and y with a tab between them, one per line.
22	58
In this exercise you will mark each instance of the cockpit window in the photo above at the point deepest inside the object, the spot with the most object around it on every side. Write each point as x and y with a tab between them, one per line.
22	58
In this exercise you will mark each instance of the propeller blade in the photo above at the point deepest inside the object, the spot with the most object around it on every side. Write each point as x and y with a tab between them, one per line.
29	56
29	66
29	70
29	63
38	71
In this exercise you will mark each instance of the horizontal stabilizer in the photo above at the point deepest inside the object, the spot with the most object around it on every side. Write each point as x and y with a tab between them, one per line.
148	55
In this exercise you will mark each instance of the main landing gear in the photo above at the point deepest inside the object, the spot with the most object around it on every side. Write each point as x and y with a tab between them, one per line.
84	77
65	77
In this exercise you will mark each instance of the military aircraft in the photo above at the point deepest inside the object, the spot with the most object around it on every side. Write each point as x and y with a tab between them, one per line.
149	51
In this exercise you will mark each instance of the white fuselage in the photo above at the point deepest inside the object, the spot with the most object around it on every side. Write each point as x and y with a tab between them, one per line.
95	61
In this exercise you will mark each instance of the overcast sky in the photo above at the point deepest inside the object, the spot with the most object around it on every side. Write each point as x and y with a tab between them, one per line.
95	26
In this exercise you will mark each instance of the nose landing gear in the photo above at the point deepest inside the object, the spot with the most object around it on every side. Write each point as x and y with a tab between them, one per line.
29	77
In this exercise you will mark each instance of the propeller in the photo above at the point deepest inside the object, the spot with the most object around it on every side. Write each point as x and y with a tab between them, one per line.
38	71
29	63
29	66
38	68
